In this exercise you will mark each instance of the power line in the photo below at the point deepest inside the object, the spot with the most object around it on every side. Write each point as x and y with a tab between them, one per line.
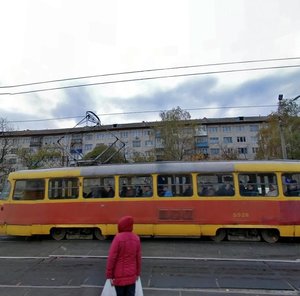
145	111
150	78
151	70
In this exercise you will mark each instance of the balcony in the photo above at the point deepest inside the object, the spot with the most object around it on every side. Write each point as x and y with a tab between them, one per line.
202	145
76	151
201	133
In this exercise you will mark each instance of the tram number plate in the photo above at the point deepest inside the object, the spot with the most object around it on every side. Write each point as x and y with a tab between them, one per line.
240	215
175	214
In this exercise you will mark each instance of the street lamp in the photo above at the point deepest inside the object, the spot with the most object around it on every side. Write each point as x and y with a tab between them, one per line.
282	139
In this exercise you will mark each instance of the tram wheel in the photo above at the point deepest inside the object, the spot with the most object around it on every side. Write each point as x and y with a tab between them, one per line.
220	235
98	234
270	235
58	233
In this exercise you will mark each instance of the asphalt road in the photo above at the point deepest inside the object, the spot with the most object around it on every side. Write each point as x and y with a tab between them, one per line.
180	267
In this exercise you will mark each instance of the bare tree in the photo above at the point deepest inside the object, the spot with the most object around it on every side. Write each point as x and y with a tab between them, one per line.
285	122
45	157
228	153
6	144
177	132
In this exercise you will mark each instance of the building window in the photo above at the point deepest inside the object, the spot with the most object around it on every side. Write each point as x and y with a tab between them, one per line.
241	139
48	140
214	140
136	143
26	140
254	128
226	129
212	129
243	150
240	128
229	150
124	134
100	136
214	151
147	133
157	134
148	143
88	137
137	133
203	150
254	149
88	147
16	141
227	140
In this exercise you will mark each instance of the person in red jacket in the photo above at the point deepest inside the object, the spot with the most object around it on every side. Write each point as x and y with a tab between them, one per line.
124	258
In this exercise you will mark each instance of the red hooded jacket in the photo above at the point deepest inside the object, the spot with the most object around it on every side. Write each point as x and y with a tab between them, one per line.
124	258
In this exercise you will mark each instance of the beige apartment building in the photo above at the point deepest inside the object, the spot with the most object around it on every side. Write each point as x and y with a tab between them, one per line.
211	137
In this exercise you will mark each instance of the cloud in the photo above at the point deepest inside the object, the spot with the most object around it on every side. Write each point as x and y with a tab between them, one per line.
75	102
206	93
196	93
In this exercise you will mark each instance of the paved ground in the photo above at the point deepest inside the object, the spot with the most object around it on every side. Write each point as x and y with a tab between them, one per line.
180	267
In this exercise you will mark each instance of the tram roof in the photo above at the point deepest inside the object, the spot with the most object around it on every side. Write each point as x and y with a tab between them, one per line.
166	167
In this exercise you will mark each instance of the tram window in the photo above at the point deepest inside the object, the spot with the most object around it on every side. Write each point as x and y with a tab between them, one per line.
291	184
136	186
215	185
5	191
29	190
174	185
64	188
100	187
258	184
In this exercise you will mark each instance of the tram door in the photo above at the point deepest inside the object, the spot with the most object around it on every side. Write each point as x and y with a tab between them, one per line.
3	200
2	228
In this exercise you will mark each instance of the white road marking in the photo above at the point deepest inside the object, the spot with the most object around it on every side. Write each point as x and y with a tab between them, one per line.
159	258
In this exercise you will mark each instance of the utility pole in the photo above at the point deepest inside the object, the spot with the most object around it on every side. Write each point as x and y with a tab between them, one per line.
282	139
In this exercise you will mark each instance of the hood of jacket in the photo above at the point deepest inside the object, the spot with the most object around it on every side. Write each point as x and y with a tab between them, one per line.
125	224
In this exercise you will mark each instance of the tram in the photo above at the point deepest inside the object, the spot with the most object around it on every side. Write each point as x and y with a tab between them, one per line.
235	200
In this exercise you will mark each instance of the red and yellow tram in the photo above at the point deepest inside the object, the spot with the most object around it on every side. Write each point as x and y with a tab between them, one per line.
235	200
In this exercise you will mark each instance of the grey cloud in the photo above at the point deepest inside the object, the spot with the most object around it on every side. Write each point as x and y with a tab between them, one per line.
188	93
204	92
193	93
75	102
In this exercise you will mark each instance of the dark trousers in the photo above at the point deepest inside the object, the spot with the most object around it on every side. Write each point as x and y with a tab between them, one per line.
125	290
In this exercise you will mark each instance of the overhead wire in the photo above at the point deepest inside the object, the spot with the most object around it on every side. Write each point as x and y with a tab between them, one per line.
147	78
143	112
150	70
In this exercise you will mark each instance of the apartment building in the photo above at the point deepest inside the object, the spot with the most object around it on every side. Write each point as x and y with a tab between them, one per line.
212	137
221	136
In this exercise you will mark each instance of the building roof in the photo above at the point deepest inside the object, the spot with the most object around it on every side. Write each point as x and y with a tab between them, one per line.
127	126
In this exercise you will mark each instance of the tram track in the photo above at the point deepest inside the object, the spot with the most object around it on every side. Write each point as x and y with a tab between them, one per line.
170	268
179	276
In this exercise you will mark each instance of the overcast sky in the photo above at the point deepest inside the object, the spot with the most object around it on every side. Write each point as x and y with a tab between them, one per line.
44	40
